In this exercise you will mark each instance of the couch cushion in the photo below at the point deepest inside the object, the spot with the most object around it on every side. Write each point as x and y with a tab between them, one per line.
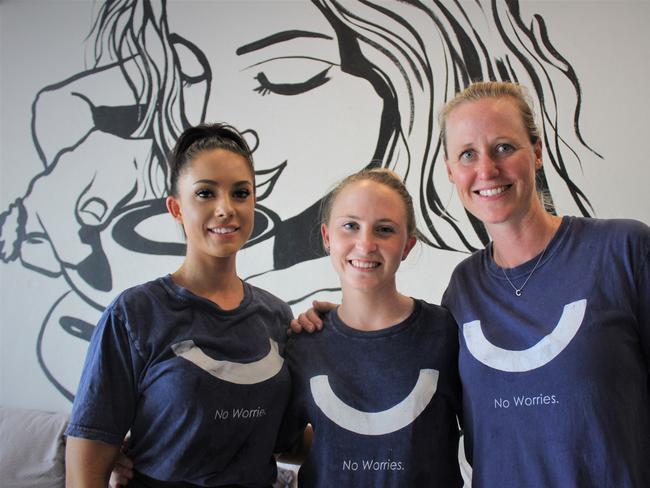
31	448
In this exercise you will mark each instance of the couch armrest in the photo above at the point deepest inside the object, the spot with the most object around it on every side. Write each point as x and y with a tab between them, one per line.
32	449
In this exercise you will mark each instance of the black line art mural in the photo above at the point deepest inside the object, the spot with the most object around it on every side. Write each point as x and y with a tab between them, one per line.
358	84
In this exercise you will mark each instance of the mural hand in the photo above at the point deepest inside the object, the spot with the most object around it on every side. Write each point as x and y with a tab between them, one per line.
12	231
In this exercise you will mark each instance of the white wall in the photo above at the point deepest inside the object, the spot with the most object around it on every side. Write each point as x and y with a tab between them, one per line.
42	43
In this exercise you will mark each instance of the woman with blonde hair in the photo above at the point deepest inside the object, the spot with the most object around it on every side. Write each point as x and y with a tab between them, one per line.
554	314
379	385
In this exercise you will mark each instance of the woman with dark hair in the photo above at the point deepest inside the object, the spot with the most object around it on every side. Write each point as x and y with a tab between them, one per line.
191	364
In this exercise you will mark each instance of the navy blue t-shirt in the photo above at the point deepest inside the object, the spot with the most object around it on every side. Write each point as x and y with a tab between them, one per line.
555	381
383	404
203	390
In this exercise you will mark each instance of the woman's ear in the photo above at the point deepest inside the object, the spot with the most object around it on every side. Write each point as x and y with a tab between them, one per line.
410	243
174	208
449	174
538	154
324	232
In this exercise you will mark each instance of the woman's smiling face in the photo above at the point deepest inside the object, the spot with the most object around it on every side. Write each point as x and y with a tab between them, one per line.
214	204
492	161
367	236
278	79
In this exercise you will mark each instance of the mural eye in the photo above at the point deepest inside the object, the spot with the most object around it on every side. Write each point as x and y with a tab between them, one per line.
288	89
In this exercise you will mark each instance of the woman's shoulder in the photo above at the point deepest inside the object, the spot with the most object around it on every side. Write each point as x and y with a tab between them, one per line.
147	288
469	265
436	314
614	225
433	309
617	231
265	298
463	277
152	293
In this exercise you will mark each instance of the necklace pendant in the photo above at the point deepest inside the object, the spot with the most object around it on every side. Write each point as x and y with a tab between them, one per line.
518	290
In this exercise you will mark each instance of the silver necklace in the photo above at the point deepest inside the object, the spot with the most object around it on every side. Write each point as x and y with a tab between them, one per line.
519	290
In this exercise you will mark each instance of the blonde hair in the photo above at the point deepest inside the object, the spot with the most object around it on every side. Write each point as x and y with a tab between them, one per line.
383	176
492	89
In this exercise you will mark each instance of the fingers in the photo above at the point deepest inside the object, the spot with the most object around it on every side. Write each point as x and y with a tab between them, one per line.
311	321
322	306
314	316
301	323
124	462
305	322
294	327
116	481
122	472
311	318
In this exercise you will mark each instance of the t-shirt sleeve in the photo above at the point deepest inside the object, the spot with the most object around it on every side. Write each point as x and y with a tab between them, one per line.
447	300
643	307
105	404
294	421
287	318
291	430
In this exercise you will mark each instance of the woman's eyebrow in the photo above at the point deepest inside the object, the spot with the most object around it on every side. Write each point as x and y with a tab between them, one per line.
277	38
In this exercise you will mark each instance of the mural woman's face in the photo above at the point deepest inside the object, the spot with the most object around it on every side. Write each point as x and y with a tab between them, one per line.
278	78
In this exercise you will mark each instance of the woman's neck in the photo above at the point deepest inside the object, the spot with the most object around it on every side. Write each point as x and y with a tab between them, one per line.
370	311
515	244
215	279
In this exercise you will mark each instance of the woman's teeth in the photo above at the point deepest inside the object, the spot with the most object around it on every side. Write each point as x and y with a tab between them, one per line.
223	230
490	192
363	264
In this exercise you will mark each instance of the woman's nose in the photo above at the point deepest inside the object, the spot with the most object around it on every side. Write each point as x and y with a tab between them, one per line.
487	168
224	208
366	242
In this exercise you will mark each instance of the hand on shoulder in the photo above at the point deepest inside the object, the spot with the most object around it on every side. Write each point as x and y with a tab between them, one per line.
311	320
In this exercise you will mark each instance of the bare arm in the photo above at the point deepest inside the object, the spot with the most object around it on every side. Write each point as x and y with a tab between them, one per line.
88	463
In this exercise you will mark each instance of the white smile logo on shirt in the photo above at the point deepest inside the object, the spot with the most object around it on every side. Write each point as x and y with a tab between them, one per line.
535	356
375	423
238	373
